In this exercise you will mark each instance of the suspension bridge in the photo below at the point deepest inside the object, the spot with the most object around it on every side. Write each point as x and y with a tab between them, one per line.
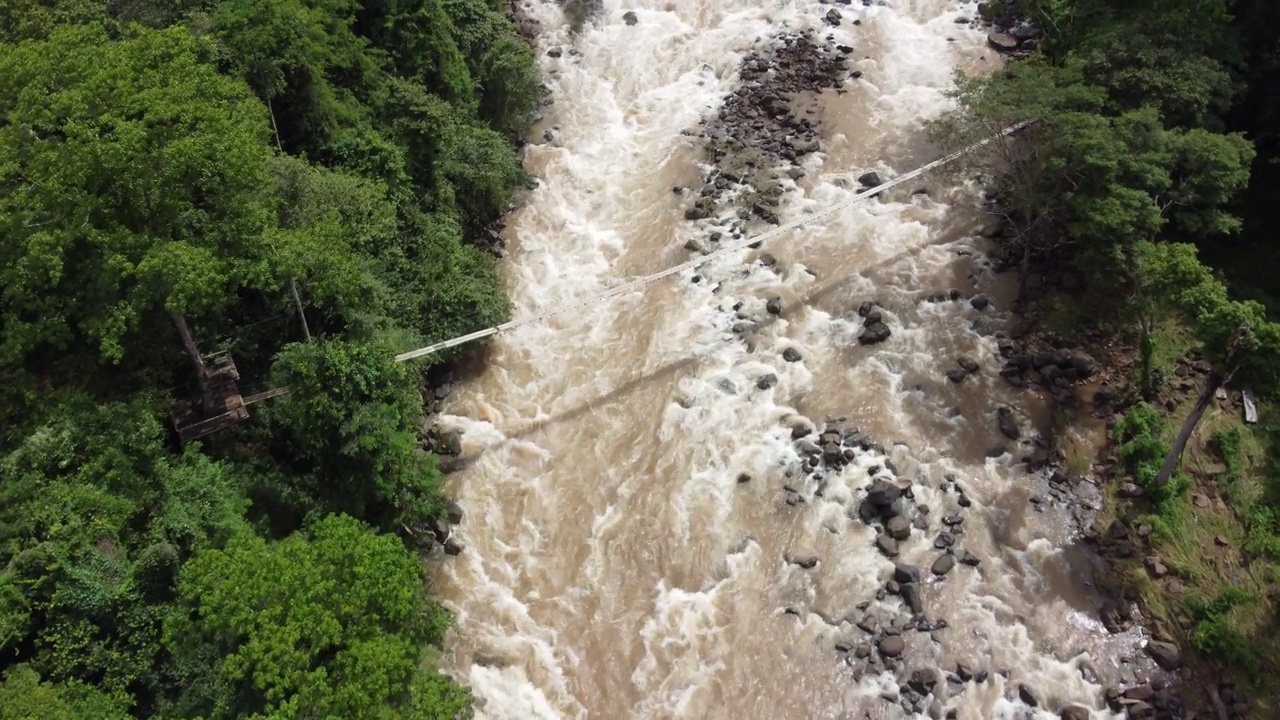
231	408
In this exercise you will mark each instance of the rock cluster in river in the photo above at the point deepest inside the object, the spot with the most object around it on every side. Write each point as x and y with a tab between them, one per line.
757	137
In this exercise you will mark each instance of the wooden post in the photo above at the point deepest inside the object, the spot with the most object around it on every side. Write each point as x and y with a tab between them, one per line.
193	352
1217	379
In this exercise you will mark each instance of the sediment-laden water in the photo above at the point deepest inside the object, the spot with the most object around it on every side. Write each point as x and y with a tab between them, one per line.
646	535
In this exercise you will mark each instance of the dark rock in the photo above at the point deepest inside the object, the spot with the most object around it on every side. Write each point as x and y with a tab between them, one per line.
447	443
744	478
863	650
910	593
1002	42
554	52
1166	655
968	364
943	564
767	381
898	528
1082	362
453	546
869	179
956	375
1139	692
964	672
882	493
1025	30
887	545
629	17
774	306
970	559
453	512
806	562
1007	423
791	355
1028	697
892	646
904	574
872	333
695	213
1074	712
923	680
832	17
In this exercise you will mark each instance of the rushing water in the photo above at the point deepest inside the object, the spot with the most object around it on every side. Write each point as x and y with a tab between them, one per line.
615	566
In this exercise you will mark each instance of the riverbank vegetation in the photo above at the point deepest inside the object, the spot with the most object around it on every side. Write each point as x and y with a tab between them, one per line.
301	184
1146	190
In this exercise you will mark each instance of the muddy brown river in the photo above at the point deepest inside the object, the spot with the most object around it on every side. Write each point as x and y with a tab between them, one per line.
617	566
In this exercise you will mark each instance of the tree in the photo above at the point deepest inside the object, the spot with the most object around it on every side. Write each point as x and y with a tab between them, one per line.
95	519
350	420
331	623
24	697
133	185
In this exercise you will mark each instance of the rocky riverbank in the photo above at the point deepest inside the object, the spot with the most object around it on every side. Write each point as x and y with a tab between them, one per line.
754	149
1086	372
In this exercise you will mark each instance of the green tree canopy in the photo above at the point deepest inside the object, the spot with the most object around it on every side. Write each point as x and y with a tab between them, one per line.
331	623
351	420
133	179
24	697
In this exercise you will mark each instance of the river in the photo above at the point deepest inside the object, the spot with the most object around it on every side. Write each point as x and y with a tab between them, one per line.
630	548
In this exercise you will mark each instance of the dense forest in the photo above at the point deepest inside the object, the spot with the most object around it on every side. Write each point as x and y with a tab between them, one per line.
301	184
1146	190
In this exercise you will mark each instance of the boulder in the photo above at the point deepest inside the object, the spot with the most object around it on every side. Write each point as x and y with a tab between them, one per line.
453	546
923	680
892	646
1074	712
629	17
447	442
882	493
943	564
791	355
904	574
806	562
1082	362
874	332
832	17
887	545
453	511
898	528
774	306
869	179
1027	696
1007	423
767	381
1166	655
910	593
1002	42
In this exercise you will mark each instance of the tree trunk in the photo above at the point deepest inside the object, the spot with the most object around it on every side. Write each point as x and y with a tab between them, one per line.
1024	274
193	352
1216	380
297	301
